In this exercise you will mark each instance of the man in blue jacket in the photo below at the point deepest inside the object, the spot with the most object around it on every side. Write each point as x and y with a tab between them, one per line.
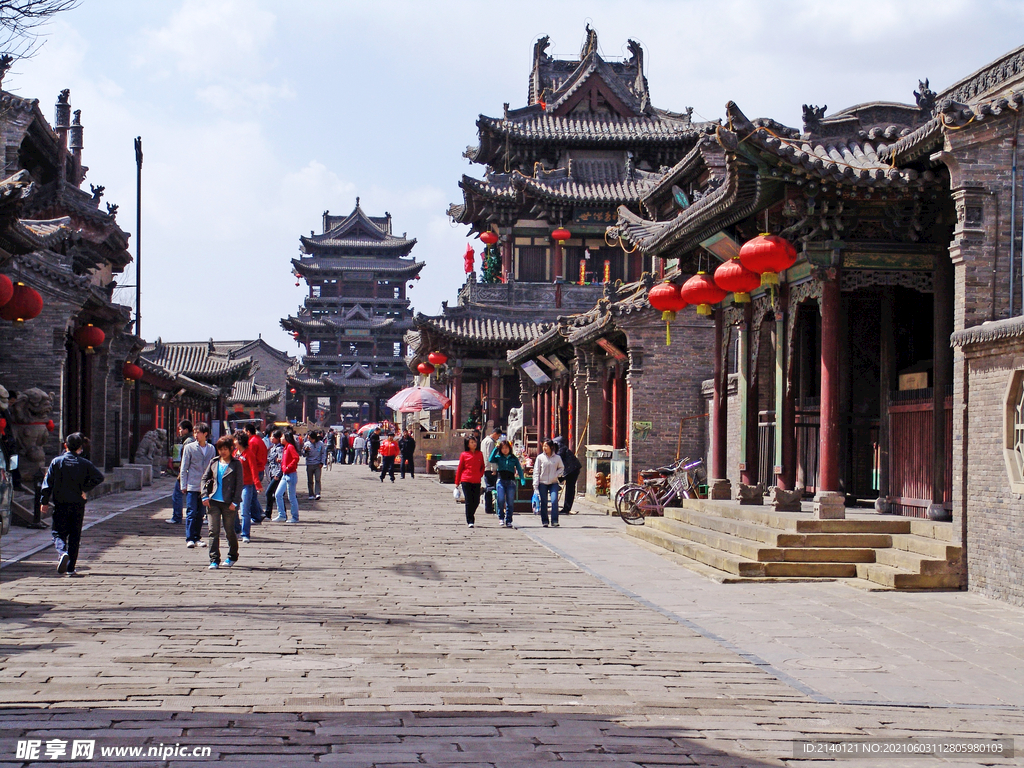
68	480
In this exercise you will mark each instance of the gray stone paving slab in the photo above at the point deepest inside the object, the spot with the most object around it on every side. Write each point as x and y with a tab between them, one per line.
381	631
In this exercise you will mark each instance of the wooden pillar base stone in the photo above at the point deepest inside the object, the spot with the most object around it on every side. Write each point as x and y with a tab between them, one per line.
829	505
720	489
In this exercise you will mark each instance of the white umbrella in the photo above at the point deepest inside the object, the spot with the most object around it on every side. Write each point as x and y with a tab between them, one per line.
412	399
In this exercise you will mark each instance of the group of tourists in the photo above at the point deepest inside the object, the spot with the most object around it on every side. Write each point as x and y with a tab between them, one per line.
374	449
222	483
491	468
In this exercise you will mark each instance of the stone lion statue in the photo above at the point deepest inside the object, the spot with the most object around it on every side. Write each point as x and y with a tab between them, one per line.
30	414
152	448
515	424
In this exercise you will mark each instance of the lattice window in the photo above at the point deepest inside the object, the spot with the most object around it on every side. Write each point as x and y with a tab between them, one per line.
1013	431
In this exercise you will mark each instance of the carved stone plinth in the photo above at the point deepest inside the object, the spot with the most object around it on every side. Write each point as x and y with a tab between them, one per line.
720	489
829	505
883	506
750	494
939	513
786	501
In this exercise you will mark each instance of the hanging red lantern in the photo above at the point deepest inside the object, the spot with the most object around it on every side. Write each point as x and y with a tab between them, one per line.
488	238
292	390
25	303
132	372
561	234
88	337
767	255
468	258
702	291
295	335
296	283
733	277
666	298
437	358
6	289
425	368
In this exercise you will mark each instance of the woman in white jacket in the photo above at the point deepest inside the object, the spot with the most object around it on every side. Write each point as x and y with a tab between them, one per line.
546	470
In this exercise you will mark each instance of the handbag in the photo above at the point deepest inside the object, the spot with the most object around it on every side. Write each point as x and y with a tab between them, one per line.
535	502
458	494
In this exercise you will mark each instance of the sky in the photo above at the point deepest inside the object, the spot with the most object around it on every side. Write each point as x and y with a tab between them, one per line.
257	116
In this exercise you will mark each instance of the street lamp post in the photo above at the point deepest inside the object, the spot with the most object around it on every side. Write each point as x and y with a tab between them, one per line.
137	411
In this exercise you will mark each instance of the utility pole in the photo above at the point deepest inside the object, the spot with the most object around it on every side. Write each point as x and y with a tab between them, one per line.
136	412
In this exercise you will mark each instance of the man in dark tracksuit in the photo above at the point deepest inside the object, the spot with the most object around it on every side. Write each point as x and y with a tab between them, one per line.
68	479
407	450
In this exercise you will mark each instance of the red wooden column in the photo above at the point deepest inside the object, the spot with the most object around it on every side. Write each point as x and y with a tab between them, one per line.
563	409
616	411
494	397
829	502
720	488
457	399
542	422
558	262
506	256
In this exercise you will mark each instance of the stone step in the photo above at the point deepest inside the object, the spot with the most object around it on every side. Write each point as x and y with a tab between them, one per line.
722	561
798	521
737	564
936	549
754	550
772	536
933	530
896	578
914	562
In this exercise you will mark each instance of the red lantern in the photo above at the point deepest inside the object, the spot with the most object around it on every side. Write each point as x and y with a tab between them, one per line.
488	238
468	258
425	368
767	255
292	390
88	337
6	289
25	304
417	277
702	291
132	372
666	298
732	276
561	234
295	335
437	358
296	283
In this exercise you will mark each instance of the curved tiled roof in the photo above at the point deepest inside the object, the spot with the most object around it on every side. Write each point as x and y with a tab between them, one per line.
358	232
195	359
594	128
318	264
481	330
248	392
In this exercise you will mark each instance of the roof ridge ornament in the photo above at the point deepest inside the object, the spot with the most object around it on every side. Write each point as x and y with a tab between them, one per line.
813	116
925	97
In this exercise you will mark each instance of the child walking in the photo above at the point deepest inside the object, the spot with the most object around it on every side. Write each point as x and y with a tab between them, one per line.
68	479
222	494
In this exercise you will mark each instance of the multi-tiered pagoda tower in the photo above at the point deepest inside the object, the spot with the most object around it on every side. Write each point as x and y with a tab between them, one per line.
354	318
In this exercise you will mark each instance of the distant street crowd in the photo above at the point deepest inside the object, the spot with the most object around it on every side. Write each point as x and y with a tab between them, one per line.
221	482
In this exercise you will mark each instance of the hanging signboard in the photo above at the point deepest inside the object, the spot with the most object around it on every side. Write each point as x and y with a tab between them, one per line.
553	363
535	373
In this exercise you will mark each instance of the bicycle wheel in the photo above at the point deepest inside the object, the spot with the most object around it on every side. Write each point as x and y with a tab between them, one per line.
638	507
622	493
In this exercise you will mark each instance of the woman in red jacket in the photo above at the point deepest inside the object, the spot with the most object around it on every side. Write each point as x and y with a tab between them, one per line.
468	475
289	479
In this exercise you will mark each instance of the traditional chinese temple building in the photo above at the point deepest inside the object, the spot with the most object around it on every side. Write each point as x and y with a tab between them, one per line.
63	348
906	221
354	320
588	141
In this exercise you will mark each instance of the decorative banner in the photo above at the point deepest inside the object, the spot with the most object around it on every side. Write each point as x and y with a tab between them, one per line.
535	373
583	272
612	350
607	271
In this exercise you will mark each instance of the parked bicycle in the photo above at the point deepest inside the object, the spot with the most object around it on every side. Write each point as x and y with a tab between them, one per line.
661	487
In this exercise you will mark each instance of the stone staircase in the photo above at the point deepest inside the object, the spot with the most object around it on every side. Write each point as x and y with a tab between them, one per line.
751	542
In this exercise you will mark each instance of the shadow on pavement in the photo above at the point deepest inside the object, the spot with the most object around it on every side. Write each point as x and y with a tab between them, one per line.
355	738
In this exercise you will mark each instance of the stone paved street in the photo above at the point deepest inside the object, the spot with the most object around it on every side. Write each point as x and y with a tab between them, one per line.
381	631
